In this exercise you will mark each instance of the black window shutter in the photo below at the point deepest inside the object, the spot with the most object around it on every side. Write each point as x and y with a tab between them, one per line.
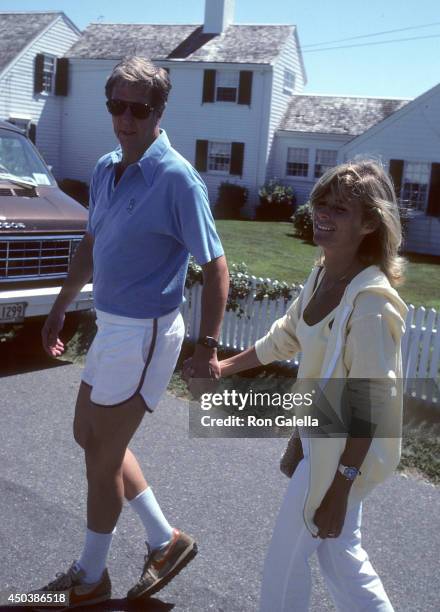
38	73
62	76
433	209
237	155
245	87
208	86
396	173
201	155
33	132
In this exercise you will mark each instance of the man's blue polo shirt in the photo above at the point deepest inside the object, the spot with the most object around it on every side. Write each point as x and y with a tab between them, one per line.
144	230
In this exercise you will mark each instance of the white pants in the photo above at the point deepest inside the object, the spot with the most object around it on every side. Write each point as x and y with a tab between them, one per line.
350	577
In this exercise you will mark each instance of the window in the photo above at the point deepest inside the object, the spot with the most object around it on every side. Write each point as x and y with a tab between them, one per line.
226	85
219	156
289	80
297	162
324	159
415	183
48	73
19	157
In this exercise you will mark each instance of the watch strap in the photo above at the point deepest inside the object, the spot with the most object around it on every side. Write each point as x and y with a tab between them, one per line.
208	342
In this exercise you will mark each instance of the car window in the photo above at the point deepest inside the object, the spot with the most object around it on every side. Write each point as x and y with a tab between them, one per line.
18	158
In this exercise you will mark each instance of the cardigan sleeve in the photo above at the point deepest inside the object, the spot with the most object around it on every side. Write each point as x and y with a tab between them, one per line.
281	342
373	361
374	334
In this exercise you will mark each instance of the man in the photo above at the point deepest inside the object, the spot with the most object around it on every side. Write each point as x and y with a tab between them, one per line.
148	210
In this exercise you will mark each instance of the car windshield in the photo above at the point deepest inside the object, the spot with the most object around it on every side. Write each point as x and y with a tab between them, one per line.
19	160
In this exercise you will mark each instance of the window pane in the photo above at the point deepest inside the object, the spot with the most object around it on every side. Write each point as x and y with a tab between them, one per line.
296	169
324	159
226	94
297	162
48	71
297	155
19	158
227	85
415	184
289	79
219	156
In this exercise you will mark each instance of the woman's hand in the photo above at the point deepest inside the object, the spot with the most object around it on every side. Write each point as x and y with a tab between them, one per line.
330	516
201	372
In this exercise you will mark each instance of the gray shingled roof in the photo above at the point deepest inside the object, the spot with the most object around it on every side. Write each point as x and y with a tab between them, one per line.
18	29
337	114
238	44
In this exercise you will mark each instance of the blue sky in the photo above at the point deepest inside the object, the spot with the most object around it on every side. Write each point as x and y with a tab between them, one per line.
403	69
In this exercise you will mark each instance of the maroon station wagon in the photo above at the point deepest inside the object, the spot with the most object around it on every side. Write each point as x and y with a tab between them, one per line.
40	228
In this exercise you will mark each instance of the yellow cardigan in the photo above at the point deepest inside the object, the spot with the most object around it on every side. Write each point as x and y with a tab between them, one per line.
364	343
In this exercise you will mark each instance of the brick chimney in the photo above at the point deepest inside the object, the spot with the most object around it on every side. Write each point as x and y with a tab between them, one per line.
218	15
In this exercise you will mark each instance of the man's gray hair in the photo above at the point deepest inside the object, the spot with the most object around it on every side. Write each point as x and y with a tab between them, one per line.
141	71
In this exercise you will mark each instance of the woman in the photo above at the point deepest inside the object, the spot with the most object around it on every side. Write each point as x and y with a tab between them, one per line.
347	322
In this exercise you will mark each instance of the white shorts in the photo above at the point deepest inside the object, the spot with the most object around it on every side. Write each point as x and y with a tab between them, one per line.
132	356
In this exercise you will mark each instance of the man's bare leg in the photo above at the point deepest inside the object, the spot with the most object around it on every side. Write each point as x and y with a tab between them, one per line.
111	429
133	478
112	473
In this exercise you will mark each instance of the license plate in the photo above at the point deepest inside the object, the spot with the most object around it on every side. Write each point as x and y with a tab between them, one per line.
12	313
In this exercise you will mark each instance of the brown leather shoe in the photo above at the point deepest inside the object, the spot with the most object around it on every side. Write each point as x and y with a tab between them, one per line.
163	564
69	587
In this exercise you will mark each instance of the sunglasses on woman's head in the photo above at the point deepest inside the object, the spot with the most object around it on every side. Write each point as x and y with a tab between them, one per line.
139	111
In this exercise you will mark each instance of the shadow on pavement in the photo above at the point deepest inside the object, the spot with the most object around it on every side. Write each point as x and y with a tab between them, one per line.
18	357
21	350
122	605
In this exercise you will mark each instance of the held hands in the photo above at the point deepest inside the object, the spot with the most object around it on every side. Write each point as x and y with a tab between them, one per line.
201	371
52	344
330	516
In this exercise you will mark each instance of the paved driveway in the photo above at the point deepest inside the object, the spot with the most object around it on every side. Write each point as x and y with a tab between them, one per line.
224	492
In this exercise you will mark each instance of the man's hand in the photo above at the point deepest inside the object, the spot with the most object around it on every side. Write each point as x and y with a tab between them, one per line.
330	516
50	333
201	370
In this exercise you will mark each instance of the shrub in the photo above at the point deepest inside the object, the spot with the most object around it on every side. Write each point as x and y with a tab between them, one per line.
240	286
277	202
78	190
231	198
302	222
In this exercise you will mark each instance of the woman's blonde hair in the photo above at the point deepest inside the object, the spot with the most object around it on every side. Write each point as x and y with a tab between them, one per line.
367	182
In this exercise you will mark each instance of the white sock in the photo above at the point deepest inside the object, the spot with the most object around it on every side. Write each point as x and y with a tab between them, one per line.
158	529
94	555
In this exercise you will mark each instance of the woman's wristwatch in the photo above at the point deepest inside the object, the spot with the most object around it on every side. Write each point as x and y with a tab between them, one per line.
350	473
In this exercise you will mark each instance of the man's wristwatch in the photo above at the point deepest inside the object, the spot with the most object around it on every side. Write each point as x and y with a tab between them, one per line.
350	473
208	342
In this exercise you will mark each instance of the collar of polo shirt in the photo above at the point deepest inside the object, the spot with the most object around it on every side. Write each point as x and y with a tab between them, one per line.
150	159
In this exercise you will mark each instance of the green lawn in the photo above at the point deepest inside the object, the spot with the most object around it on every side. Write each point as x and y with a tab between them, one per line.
270	250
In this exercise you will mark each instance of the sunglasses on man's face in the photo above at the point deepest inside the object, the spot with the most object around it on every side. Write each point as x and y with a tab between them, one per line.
139	111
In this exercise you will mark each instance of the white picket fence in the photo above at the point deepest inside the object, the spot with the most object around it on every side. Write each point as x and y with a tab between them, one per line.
420	346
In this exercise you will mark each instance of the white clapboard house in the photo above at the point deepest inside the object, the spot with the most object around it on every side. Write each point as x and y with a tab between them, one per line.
33	75
317	132
231	85
236	110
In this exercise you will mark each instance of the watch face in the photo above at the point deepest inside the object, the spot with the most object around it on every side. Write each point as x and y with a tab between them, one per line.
350	473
